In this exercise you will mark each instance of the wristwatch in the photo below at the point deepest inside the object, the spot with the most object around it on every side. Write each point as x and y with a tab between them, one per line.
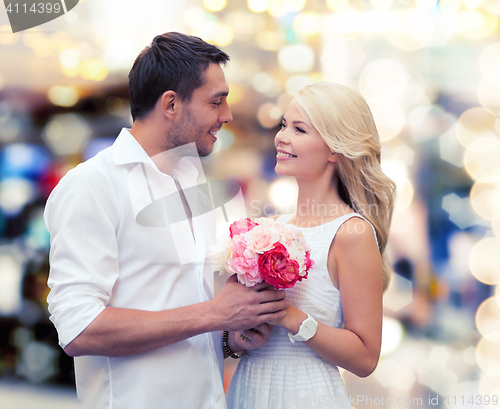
307	330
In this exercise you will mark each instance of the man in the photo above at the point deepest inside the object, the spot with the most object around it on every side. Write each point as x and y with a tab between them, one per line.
143	325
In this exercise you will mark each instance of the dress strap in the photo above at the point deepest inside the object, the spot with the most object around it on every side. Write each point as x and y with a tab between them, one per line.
342	219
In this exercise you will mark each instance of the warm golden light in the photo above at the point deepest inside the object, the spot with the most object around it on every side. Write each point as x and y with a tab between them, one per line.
389	117
63	96
269	115
489	385
481	158
381	5
397	171
488	356
383	78
283	193
472	4
69	58
415	30
258	6
223	36
474	24
426	5
485	199
474	123
296	58
93	70
484	260
269	40
337	5
450	5
236	94
214	5
6	35
488	94
307	23
488	318
392	335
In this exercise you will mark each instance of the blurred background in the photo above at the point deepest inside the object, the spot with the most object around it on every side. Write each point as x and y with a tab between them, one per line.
430	71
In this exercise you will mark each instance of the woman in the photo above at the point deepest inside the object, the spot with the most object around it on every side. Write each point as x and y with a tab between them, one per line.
328	141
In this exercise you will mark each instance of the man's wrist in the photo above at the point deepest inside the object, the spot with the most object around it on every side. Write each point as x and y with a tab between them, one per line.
231	348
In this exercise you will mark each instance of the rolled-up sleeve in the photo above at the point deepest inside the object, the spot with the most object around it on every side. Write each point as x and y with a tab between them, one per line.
82	218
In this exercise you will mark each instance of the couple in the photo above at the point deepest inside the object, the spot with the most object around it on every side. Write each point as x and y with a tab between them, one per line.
145	329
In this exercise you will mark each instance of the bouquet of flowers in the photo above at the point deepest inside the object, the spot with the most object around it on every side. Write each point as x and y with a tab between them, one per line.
264	250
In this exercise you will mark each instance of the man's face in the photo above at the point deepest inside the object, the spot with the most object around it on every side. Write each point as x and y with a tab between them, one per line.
204	115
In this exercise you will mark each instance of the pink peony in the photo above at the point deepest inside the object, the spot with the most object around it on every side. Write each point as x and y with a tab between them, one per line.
244	262
261	239
241	226
277	269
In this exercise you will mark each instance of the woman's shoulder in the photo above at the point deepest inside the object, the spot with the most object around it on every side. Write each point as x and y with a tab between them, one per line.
355	232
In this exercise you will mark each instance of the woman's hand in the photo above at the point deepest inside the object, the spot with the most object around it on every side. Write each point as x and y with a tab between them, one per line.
292	320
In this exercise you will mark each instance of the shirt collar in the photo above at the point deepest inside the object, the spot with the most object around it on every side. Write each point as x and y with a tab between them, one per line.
126	149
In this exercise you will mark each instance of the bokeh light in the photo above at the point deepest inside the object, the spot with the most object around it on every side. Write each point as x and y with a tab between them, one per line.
488	356
14	194
296	58
283	194
307	23
337	5
392	335
488	318
11	264
475	123
485	199
383	78
65	96
258	6
389	117
66	134
481	158
269	115
484	260
214	5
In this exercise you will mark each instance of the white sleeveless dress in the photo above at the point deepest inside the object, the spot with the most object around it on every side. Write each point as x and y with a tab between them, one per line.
286	375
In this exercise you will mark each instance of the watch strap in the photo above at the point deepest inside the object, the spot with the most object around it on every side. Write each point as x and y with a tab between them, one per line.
303	334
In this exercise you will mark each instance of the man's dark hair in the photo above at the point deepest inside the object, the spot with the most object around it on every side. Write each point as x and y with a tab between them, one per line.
173	61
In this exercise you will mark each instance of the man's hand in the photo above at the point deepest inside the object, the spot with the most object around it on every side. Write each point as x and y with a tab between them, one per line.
254	338
240	308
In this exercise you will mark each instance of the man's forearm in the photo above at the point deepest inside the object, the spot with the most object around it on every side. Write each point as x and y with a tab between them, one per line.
123	332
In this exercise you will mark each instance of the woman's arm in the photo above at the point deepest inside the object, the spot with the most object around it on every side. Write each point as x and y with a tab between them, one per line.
356	260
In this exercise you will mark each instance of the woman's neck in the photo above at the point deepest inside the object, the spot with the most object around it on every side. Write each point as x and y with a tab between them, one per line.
318	201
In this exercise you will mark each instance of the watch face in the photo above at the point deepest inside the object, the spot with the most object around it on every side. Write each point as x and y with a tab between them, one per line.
309	329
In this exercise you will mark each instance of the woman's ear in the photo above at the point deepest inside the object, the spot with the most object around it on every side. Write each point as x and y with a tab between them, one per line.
168	103
333	157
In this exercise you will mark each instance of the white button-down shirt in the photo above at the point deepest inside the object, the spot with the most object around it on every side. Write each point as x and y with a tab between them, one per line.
120	237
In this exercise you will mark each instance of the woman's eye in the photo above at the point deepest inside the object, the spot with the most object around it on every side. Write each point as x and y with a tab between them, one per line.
282	126
300	130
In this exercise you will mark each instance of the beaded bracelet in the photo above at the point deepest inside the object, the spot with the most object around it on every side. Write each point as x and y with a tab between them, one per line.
226	347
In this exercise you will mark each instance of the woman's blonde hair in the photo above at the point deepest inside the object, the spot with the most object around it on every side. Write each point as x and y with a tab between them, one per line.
345	122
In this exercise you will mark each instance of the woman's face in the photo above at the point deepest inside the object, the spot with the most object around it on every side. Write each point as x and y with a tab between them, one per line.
301	151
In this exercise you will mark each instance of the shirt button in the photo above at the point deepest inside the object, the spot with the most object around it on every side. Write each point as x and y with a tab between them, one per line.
217	398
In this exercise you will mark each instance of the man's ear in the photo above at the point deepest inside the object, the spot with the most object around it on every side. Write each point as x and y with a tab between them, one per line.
333	157
168	102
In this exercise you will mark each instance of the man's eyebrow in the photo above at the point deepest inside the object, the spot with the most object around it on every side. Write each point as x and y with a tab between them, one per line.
220	94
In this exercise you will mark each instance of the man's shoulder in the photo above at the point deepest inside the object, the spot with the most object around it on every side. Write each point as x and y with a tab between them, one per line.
102	163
